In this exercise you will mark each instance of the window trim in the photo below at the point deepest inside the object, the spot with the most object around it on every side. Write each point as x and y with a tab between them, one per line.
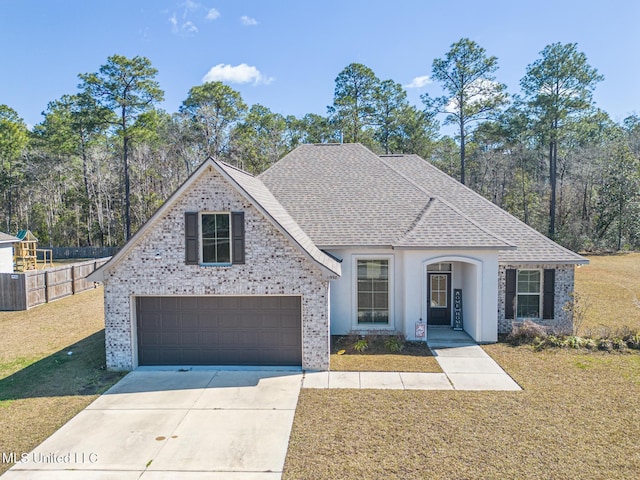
391	293
540	293
201	240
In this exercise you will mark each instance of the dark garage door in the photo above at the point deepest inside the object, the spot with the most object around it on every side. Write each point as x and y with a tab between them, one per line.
219	330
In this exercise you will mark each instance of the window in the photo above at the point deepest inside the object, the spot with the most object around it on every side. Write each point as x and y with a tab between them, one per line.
216	237
373	291
438	285
528	294
439	267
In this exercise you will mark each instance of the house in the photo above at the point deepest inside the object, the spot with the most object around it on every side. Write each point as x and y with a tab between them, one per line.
332	239
6	252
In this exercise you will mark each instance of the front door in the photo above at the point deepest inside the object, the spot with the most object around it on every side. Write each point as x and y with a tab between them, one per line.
439	299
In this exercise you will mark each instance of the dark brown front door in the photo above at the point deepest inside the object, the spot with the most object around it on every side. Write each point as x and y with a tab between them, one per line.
439	298
250	330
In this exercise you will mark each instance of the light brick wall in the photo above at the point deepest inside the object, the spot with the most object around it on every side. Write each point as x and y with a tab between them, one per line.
564	278
274	266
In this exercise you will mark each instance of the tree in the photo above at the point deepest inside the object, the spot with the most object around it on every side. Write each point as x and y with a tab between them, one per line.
390	102
72	126
260	140
14	137
557	88
213	108
353	108
127	87
472	94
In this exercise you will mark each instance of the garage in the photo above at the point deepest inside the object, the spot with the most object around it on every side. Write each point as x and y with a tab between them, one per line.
229	330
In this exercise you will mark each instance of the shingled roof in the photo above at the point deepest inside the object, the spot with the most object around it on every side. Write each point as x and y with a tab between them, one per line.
345	195
6	238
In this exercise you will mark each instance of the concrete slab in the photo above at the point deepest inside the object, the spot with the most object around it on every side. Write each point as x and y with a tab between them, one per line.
148	426
227	440
251	390
381	380
344	379
147	390
70	475
107	440
211	476
469	365
425	381
470	351
316	380
483	381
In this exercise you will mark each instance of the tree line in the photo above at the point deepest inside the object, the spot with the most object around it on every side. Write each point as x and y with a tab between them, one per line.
105	157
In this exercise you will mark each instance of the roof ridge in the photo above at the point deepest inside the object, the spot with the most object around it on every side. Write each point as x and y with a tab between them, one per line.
427	207
452	207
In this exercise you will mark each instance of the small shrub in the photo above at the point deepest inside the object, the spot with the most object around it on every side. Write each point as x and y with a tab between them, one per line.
526	333
633	341
573	341
589	343
605	344
361	345
394	344
618	344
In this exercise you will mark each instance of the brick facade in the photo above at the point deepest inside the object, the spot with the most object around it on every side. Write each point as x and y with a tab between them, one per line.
155	265
564	287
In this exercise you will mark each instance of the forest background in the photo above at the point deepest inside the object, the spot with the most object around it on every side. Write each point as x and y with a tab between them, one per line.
106	156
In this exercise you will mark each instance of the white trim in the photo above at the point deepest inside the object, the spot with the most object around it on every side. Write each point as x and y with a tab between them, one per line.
355	326
452	259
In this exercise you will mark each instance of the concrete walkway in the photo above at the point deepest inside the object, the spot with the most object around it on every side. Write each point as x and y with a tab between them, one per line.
162	425
465	366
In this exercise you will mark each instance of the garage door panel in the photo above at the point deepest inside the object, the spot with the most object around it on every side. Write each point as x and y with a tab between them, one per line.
253	330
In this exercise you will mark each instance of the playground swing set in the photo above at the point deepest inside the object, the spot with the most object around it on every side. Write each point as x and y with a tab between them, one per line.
25	253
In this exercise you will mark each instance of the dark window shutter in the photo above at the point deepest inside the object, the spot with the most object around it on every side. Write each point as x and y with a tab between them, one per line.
548	300
237	236
510	289
191	238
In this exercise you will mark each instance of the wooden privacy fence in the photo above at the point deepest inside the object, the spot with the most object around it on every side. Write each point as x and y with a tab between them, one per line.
21	291
82	252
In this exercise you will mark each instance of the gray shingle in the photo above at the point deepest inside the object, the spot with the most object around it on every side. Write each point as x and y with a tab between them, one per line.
345	195
5	238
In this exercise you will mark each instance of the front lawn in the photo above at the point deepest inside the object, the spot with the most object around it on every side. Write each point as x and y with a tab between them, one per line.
578	417
51	367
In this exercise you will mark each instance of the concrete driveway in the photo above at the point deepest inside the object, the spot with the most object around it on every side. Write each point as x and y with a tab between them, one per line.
161	425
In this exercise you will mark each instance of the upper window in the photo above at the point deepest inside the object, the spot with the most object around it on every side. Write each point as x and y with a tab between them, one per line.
528	294
216	237
373	291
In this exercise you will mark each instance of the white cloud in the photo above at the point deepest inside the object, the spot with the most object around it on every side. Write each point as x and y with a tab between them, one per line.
248	21
213	14
189	27
419	82
242	73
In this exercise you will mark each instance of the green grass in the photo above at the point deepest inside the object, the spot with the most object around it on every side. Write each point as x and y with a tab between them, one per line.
41	385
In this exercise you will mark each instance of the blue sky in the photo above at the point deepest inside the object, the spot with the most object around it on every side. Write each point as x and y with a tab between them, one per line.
286	54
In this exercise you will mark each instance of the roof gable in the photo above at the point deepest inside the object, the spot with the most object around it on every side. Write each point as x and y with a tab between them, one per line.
257	194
